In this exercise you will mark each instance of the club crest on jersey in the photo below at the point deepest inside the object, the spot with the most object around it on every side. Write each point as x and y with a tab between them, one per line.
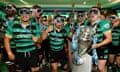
107	26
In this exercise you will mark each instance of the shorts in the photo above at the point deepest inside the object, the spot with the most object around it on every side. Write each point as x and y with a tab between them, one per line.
58	56
5	55
102	53
0	50
114	50
24	61
40	51
1	45
46	47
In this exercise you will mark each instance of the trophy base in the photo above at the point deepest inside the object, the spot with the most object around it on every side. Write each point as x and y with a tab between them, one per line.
85	67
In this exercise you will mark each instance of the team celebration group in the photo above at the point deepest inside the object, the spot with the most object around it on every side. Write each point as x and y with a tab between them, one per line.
28	39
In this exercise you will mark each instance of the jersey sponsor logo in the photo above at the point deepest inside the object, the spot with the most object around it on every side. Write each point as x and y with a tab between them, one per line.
107	26
24	36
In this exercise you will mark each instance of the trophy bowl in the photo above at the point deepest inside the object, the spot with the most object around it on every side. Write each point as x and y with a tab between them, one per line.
85	39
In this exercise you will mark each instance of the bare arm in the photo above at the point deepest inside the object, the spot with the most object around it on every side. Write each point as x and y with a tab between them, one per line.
107	40
46	33
8	49
7	44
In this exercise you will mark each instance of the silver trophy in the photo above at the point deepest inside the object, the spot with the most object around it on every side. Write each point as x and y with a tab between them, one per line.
84	42
85	39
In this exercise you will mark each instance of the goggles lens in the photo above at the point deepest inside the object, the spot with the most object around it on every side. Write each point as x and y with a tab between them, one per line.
10	8
24	11
94	12
60	20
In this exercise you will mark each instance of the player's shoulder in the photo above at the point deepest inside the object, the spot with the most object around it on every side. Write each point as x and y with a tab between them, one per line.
105	23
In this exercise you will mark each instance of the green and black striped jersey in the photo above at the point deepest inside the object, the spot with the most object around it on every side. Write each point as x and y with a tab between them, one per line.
7	23
102	27
57	38
23	36
116	36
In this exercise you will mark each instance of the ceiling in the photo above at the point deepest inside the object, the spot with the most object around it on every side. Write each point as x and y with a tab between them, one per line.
62	3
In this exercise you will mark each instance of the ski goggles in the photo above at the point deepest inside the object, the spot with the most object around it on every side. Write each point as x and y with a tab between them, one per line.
59	20
9	8
24	11
113	17
96	12
80	15
39	10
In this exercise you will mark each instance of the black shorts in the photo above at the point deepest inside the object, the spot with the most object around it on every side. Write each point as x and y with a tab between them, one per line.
114	50
40	51
1	45
102	53
44	47
25	61
58	56
1	50
5	55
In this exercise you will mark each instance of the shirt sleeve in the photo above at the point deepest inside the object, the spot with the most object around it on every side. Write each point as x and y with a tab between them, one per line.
106	27
9	31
